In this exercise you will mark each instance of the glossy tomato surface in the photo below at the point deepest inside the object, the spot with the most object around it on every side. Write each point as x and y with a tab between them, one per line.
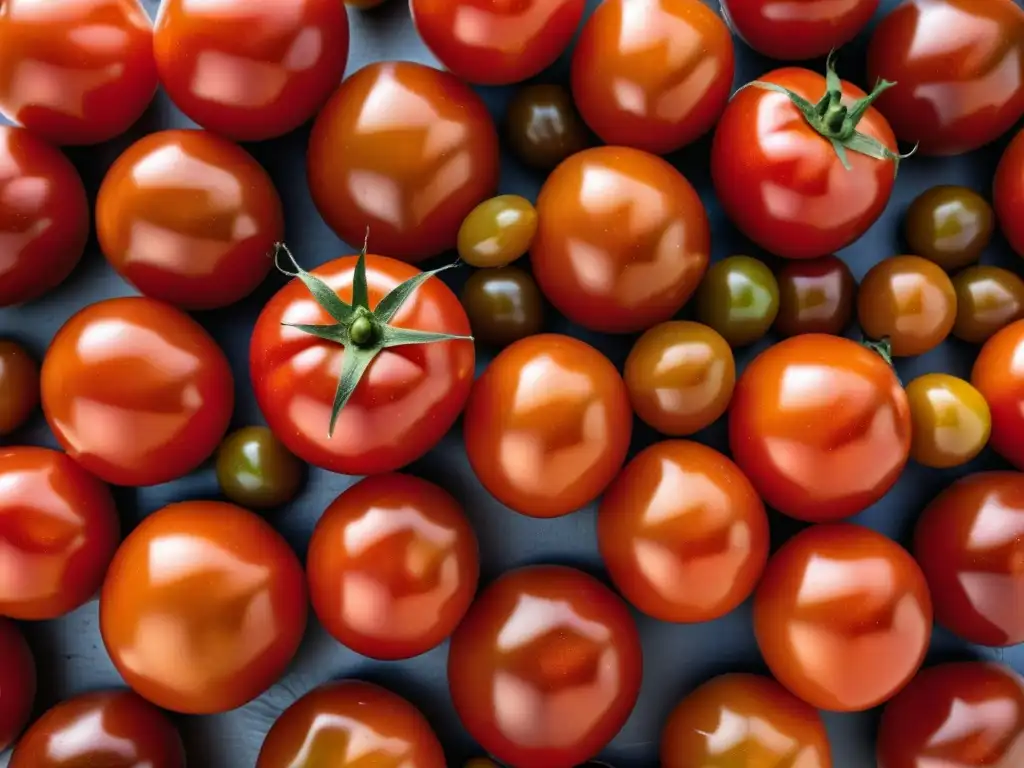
17	682
987	300
951	420
1008	193
19	386
815	296
998	374
545	668
781	29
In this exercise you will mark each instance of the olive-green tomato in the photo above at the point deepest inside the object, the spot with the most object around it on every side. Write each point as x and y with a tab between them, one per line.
739	298
256	471
949	225
503	305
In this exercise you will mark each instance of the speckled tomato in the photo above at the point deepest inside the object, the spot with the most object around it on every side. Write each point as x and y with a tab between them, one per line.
998	374
1008	193
795	31
17	682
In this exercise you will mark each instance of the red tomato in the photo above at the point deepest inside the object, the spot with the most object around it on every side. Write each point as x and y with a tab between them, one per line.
76	71
821	426
842	617
999	375
251	70
781	29
405	150
548	425
622	242
136	391
44	215
683	533
959	65
496	42
1008	193
189	218
652	74
545	668
203	607
17	682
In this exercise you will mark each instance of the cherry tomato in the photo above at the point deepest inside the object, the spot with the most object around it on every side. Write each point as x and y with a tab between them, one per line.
44	215
739	298
189	218
117	728
999	376
815	296
251	71
136	391
842	617
949	225
987	300
821	426
1008	193
960	69
951	420
256	471
503	305
203	607
622	242
498	231
812	28
547	426
19	386
351	724
75	71
405	150
545	668
496	43
17	682
543	127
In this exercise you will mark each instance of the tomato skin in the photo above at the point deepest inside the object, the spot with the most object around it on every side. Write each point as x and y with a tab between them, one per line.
795	32
951	420
781	183
1008	193
19	386
815	296
999	376
17	682
406	402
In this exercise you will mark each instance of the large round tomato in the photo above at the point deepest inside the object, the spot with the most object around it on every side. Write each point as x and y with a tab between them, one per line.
251	70
547	426
1008	193
623	239
781	29
959	69
189	218
203	607
545	668
842	617
17	682
999	375
405	150
136	391
821	426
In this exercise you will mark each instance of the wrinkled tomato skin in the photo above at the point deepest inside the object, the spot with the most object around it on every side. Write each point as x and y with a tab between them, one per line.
1008	193
556	644
136	391
782	184
998	374
797	31
959	69
219	583
405	403
821	426
17	682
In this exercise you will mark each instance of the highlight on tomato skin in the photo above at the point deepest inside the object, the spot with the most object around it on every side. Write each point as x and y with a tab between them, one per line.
1000	380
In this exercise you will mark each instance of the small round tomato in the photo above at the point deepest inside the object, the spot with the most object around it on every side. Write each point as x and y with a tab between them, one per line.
405	150
987	300
17	682
136	391
19	386
547	426
812	28
75	71
545	668
842	617
1008	193
959	66
543	127
739	298
189	218
744	721
998	375
815	296
44	215
498	231
503	305
256	471
106	728
654	75
627	257
949	225
251	71
203	607
951	420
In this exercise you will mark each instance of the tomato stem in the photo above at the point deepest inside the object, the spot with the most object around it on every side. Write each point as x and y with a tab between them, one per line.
883	348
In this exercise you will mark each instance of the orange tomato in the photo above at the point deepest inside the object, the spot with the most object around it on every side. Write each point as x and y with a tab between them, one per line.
999	376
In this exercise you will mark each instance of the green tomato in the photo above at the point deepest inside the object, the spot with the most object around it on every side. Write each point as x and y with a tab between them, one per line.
739	298
256	471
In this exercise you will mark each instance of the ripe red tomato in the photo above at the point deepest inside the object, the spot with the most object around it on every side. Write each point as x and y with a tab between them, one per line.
44	215
1008	193
821	426
842	617
19	386
547	426
136	391
203	607
405	150
189	218
959	66
780	29
545	668
623	239
683	533
654	74
998	375
76	71
17	682
251	71
496	43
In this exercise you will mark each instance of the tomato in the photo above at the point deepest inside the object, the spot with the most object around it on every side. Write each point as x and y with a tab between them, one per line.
17	682
951	420
250	71
622	242
545	668
744	720
189	218
19	386
815	296
256	471
498	231
392	566
496	43
999	376
806	30
363	4
1008	193
987	300
960	69
547	426
44	215
543	127
739	298
351	724
136	391
203	607
821	426
115	728
405	150
949	225
503	305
